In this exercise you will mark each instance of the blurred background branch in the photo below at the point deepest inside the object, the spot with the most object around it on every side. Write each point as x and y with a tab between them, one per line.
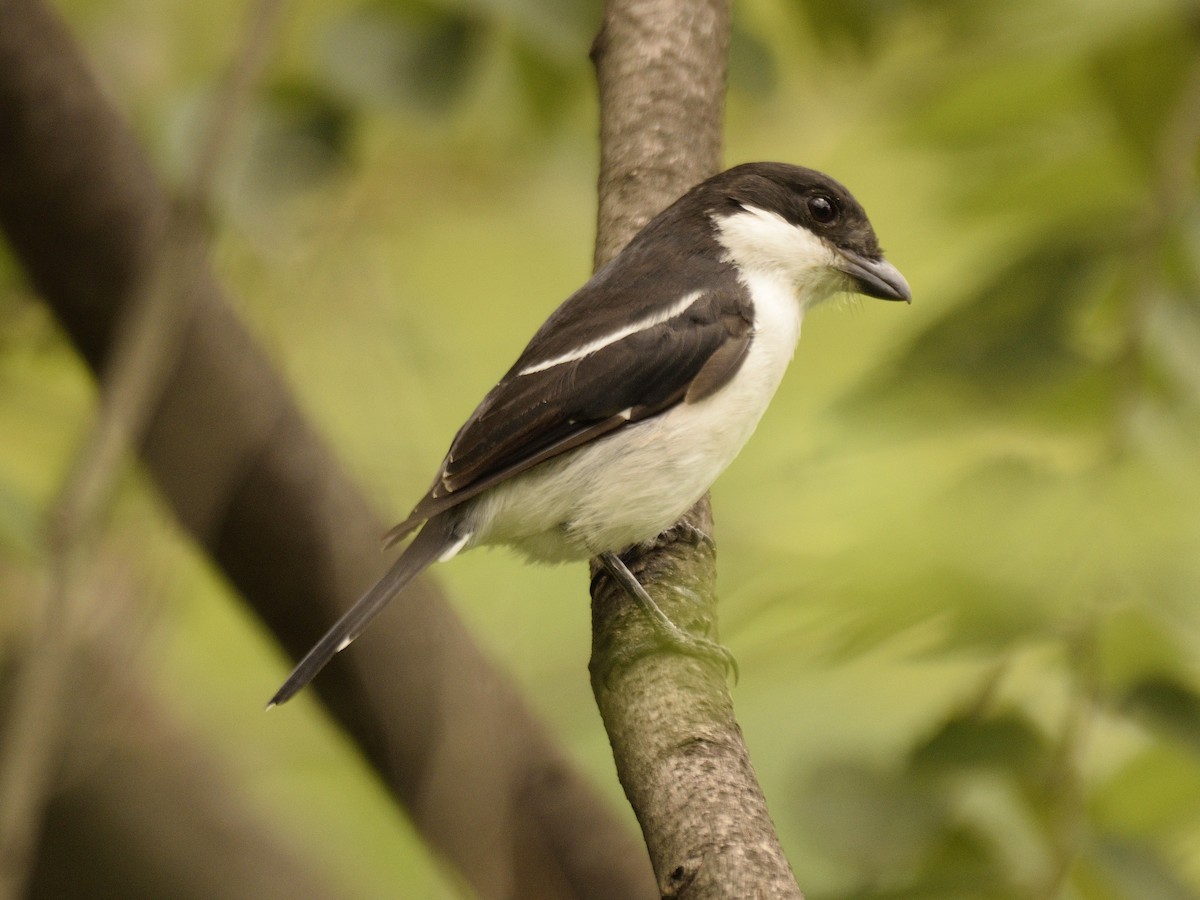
146	344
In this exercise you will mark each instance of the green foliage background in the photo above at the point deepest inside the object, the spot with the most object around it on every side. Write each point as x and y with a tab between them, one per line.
959	563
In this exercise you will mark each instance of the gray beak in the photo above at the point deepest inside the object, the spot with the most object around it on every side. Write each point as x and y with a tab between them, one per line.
874	277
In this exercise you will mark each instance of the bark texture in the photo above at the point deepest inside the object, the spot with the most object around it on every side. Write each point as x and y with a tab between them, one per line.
248	477
661	68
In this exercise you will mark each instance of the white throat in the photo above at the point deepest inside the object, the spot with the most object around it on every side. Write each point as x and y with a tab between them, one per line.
768	248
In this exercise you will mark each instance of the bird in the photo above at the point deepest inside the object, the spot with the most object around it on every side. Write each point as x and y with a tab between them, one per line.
640	389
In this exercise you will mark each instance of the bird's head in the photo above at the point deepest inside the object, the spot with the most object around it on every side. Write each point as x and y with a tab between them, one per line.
785	221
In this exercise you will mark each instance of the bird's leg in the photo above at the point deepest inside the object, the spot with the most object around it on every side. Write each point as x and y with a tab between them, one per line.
670	633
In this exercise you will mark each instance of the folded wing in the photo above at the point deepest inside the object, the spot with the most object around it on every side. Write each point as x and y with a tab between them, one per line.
557	398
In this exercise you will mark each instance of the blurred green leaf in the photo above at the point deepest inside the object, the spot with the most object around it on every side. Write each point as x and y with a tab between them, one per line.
865	25
1153	796
301	135
1008	741
1004	105
548	87
20	522
1169	706
400	55
883	823
1008	342
1133	642
1133	871
859	22
964	863
752	68
561	30
1141	72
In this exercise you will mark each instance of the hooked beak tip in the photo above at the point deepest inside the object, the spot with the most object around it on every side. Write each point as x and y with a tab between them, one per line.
875	277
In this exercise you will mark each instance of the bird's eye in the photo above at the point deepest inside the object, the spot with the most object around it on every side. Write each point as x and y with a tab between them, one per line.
824	209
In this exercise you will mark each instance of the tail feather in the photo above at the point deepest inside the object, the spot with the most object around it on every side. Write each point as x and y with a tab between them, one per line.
433	542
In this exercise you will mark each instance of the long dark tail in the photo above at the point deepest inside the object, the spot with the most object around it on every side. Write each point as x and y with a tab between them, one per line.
435	539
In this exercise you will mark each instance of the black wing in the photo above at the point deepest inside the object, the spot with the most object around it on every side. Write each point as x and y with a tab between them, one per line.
535	414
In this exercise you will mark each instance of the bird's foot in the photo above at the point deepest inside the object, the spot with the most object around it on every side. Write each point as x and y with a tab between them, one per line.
668	635
676	640
689	534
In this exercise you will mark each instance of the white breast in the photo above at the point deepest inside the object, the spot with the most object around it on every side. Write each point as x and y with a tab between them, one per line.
630	486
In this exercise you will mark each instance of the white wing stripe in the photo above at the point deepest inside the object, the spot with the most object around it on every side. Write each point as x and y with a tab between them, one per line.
676	309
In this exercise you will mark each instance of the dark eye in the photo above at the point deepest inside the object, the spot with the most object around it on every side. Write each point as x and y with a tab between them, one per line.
824	209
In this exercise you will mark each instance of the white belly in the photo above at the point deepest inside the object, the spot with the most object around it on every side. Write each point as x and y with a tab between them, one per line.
630	486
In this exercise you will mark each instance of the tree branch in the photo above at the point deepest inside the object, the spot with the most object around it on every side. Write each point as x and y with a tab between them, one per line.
680	755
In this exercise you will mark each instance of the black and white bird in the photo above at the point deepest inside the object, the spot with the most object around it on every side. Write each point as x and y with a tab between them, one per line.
642	387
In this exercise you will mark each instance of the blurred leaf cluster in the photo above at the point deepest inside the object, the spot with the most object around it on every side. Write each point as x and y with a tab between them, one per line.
1050	409
962	567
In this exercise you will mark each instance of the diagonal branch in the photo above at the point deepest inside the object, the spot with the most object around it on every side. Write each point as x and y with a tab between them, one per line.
146	343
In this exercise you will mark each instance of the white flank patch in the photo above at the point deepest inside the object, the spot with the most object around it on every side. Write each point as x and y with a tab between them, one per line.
676	309
452	551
